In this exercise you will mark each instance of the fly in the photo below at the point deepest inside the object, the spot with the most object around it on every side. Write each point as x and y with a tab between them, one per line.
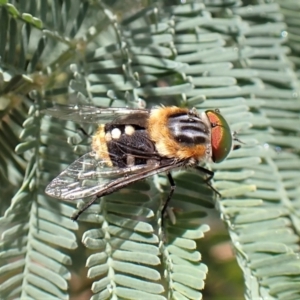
133	144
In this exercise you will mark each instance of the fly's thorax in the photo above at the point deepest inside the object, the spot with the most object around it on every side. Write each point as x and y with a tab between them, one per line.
180	133
188	129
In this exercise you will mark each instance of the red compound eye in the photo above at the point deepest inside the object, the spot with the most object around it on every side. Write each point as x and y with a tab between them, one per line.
221	138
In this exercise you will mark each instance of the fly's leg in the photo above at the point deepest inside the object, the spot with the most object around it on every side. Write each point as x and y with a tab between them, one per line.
82	130
173	186
87	205
210	175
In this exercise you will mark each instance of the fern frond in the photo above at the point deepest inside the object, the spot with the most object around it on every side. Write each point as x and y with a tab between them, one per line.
207	55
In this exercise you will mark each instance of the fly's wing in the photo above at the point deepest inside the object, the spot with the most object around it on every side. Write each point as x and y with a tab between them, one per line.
142	173
91	114
88	176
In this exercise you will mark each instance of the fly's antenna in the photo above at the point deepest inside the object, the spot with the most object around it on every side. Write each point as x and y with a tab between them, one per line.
236	139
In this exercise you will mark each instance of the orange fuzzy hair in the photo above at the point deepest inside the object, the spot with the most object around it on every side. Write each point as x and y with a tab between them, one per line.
165	144
100	147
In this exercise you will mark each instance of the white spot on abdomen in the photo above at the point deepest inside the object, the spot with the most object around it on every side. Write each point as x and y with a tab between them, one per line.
116	133
129	130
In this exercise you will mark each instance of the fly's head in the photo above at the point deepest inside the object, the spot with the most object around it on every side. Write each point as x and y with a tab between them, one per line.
220	135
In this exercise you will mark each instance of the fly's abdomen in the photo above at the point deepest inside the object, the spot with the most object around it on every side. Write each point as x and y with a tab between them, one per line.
125	145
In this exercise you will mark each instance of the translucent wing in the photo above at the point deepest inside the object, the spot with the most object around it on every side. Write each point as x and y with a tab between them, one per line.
91	114
88	176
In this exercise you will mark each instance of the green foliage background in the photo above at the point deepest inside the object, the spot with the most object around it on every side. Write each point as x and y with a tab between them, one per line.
239	56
